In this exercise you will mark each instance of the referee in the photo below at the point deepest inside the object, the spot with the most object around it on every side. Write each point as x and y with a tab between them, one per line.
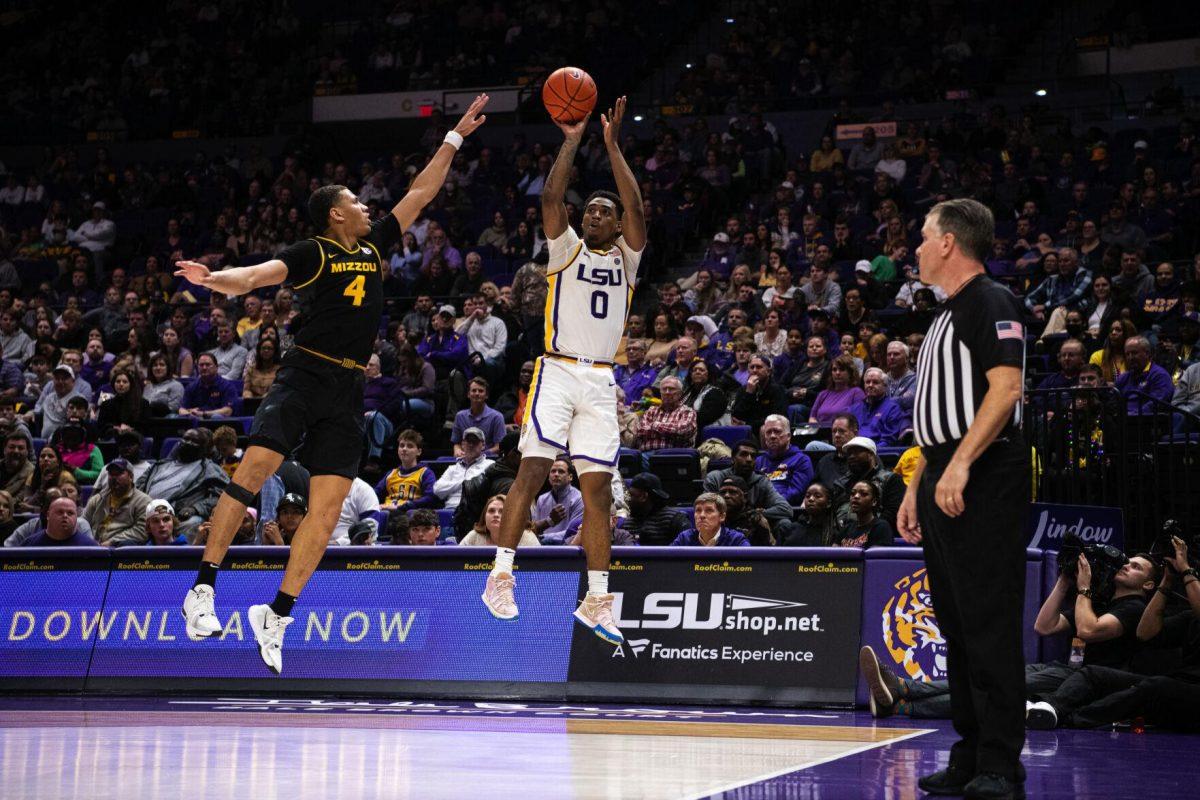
968	499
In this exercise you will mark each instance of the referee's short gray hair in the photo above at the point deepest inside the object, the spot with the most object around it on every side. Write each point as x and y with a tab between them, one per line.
972	224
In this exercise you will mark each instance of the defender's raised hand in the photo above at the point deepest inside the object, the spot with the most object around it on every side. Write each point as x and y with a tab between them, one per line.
194	271
473	118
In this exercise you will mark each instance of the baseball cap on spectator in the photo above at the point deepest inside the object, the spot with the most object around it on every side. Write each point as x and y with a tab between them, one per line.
159	507
818	313
509	442
787	185
294	500
649	483
476	432
863	442
736	482
118	464
862	266
65	368
722	237
252	513
705	322
448	310
100	205
1141	144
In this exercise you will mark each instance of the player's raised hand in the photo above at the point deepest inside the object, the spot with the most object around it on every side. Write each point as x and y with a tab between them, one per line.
472	119
574	130
612	123
194	271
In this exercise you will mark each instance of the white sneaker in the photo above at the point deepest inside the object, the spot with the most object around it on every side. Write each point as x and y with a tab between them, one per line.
498	596
595	614
268	629
199	614
1041	716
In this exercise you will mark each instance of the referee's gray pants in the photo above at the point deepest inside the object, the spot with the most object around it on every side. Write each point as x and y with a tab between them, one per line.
976	567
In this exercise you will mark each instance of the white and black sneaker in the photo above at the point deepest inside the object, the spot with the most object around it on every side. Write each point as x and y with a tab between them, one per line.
268	630
199	613
1041	716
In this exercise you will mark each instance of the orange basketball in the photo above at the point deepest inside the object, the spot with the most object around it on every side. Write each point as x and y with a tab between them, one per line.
569	94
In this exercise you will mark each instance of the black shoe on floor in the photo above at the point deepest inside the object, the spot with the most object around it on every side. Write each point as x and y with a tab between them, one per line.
990	786
949	781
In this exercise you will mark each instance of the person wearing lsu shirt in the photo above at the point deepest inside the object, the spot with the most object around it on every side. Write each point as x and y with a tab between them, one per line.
574	405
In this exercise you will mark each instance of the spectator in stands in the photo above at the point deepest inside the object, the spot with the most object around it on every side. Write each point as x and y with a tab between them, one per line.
16	469
816	524
637	375
226	453
1070	361
760	397
496	479
445	349
411	484
52	403
187	478
161	525
554	511
8	523
356	523
96	235
866	153
211	395
486	336
289	513
820	292
880	418
665	338
761	492
229	354
1120	232
244	535
1161	305
417	321
82	457
803	381
471	278
710	531
260	374
864	528
1146	386
164	393
129	448
825	157
862	463
14	341
1134	280
1111	357
62	527
739	515
49	473
772	339
127	409
487	527
479	415
671	424
843	392
1066	291
833	467
703	396
117	514
901	379
679	361
471	462
97	364
252	307
423	530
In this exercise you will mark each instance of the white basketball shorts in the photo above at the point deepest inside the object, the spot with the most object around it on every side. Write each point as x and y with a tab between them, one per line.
573	410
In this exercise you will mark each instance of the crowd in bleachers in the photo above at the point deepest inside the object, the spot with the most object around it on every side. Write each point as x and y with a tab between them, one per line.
775	372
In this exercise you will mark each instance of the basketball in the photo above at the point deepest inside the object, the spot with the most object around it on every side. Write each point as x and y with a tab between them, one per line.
569	94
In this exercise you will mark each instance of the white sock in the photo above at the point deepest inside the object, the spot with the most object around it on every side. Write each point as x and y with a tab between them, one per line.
597	581
504	560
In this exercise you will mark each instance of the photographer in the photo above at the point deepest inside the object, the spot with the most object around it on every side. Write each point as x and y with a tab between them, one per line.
1096	695
1110	640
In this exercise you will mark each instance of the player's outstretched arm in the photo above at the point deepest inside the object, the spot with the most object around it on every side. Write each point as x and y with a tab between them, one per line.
633	221
554	212
429	182
234	280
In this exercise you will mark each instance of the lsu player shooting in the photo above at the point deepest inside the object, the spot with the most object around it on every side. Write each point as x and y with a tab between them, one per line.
573	409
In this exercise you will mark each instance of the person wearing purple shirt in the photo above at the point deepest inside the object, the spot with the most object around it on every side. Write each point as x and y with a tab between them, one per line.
785	465
554	511
637	375
479	415
710	530
12	379
62	520
210	395
444	349
880	418
97	364
842	394
1144	377
719	260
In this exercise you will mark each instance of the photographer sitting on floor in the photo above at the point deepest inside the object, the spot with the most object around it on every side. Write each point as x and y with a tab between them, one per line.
1109	637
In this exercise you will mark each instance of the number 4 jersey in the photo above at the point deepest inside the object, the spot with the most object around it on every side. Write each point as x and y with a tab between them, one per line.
588	296
339	291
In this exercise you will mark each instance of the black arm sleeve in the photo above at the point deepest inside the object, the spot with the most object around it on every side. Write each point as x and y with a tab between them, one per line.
303	260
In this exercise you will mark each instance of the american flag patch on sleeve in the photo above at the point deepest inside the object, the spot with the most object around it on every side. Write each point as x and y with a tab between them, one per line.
1010	330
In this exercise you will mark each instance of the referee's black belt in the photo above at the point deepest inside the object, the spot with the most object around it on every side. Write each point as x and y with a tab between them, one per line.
586	362
344	363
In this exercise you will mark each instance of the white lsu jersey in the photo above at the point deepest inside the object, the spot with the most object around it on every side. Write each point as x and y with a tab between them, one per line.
588	297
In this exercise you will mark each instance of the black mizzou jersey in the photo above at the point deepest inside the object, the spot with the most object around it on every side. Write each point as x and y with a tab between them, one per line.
340	292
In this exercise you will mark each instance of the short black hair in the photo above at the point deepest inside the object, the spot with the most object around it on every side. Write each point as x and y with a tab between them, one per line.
321	201
745	443
971	222
77	401
616	199
423	518
851	420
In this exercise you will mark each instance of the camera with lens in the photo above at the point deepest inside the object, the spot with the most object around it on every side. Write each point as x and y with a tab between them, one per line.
1104	559
1163	548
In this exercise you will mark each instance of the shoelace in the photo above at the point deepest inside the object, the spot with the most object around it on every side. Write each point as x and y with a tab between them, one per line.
603	613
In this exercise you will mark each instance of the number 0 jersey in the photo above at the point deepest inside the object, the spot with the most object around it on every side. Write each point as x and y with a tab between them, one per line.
340	292
588	296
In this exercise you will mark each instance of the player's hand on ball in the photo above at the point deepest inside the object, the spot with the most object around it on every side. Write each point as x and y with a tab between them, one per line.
472	119
949	491
193	271
612	123
574	131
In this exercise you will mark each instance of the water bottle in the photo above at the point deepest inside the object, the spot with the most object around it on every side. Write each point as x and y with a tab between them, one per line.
1076	660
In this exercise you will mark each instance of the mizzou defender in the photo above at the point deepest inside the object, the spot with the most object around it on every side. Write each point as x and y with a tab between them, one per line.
315	407
573	408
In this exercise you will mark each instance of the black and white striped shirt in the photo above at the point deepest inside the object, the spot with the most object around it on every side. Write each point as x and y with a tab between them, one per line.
977	329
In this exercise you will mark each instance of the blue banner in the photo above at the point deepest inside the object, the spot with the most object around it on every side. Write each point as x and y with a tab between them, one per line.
1049	522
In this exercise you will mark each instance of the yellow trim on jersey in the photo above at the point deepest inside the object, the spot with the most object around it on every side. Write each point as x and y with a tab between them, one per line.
548	326
357	246
570	261
533	382
629	279
320	269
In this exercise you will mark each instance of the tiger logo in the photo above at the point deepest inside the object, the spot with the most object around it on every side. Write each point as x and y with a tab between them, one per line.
910	630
